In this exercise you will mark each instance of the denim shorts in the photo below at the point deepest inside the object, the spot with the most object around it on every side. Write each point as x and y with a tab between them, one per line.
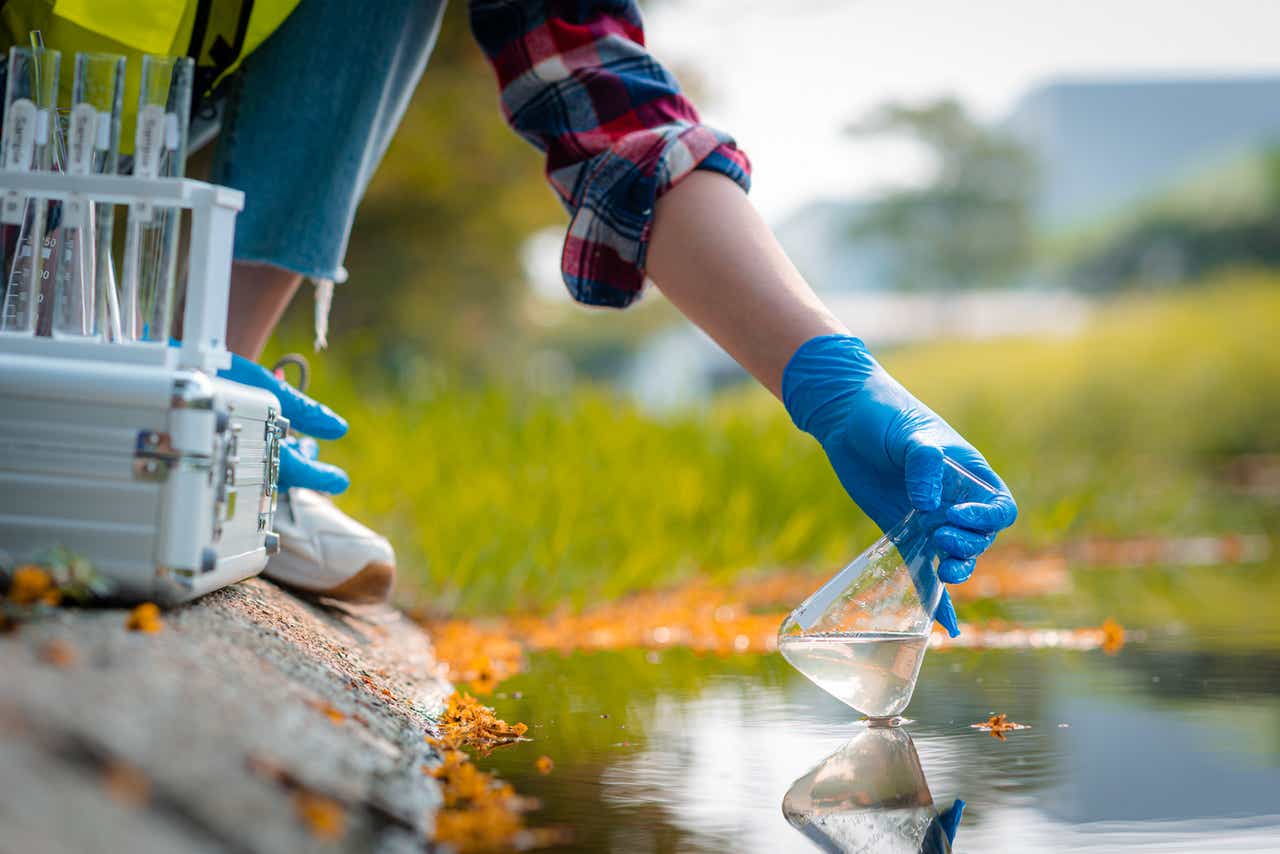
306	120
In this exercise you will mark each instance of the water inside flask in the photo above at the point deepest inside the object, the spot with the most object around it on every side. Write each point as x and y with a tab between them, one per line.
862	636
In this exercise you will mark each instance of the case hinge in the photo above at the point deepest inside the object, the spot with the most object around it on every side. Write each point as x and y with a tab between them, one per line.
224	502
275	428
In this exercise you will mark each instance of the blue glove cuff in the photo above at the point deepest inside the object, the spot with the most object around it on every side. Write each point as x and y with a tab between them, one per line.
950	819
822	371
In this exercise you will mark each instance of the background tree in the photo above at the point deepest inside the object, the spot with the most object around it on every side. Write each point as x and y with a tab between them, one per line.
971	224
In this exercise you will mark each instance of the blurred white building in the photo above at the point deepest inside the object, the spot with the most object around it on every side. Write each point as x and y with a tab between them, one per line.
1107	143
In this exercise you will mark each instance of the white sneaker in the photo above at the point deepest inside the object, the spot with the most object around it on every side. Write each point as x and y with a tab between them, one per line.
325	551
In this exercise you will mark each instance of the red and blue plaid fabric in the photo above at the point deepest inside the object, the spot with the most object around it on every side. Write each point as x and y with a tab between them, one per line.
617	133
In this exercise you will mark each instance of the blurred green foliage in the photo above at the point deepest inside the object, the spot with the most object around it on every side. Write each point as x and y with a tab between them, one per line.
1124	428
1227	215
503	499
1235	608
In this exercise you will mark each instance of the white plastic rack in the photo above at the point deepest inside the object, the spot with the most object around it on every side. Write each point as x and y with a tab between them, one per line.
213	217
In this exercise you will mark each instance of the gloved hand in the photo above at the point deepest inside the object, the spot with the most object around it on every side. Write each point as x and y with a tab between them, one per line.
298	466
887	449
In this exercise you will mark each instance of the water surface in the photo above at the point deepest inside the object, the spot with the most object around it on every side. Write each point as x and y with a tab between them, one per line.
1173	743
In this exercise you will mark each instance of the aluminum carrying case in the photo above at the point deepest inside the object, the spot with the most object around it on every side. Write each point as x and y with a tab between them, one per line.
136	455
163	478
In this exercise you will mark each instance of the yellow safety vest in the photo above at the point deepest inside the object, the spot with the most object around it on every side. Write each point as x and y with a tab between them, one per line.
218	34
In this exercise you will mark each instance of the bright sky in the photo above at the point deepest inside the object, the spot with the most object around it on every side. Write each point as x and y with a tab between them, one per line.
783	76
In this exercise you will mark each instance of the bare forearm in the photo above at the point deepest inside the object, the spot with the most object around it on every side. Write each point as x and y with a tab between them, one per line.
716	260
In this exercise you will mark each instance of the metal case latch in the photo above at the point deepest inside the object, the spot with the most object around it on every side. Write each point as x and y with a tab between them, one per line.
153	453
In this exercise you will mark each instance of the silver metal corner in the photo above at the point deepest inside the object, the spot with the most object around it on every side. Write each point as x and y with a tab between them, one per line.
192	390
171	588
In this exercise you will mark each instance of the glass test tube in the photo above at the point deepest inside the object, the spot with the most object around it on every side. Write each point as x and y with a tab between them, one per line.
151	239
86	302
30	99
62	246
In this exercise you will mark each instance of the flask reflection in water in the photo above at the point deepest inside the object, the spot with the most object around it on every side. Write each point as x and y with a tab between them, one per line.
871	795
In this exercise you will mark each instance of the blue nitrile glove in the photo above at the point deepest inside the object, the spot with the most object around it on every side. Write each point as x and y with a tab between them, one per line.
887	449
297	467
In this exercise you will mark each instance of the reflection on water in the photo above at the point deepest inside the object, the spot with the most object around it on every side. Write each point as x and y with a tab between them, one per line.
1173	744
871	797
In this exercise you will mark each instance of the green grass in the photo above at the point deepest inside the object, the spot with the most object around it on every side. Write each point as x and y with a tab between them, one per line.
502	500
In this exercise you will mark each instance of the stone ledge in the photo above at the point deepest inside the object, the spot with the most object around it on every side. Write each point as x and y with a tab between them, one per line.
226	714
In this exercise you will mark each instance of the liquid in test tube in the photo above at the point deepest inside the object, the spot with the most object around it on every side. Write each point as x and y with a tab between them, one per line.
86	303
30	100
151	238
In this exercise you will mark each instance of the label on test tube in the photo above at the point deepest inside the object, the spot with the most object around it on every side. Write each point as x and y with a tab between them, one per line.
150	139
147	148
11	208
103	140
20	135
19	150
83	132
171	134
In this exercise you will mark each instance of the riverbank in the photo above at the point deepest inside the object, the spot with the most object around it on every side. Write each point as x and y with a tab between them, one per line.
249	721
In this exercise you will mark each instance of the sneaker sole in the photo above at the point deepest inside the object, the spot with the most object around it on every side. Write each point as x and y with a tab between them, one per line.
370	586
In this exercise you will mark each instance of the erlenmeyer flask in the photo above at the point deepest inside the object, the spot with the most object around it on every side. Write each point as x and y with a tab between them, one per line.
871	795
861	637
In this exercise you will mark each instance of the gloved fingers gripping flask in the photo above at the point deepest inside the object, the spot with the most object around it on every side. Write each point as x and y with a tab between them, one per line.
86	303
861	637
30	100
151	237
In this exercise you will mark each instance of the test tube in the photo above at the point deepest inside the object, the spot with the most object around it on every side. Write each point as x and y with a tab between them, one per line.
151	240
30	99
86	302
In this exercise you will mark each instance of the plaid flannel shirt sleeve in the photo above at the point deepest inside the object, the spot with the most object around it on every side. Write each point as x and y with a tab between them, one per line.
617	133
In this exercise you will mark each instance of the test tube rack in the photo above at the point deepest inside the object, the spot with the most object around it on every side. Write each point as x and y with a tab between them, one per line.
213	214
